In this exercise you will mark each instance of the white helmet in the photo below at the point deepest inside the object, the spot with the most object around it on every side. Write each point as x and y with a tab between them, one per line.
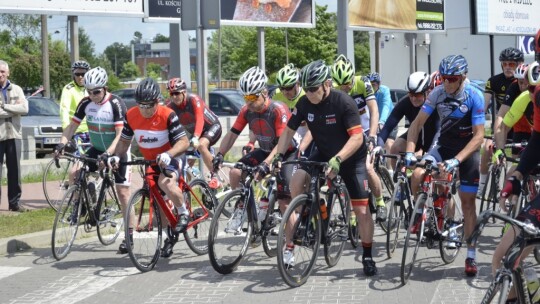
253	81
418	82
521	71
96	78
534	74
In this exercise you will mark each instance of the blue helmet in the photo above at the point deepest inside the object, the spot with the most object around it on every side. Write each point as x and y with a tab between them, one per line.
453	65
374	77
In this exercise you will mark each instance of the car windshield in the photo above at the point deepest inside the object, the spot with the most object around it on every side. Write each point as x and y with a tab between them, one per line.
38	106
235	97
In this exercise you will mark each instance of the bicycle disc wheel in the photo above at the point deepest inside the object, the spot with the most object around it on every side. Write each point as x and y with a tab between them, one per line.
387	190
306	237
229	235
110	219
55	181
396	215
413	239
450	252
337	226
197	235
66	224
144	217
270	232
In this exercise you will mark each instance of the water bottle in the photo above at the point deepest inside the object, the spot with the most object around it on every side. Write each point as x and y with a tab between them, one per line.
324	213
397	198
263	209
532	284
438	205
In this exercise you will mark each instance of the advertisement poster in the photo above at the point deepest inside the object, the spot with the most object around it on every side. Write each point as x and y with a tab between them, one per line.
121	8
507	17
274	13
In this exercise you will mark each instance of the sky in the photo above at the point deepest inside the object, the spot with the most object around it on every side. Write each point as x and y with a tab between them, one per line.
104	31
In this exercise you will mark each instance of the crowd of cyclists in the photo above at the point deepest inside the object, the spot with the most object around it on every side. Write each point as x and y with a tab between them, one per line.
327	113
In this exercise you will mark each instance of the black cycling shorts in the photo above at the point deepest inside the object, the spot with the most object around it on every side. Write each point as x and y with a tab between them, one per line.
213	134
469	173
123	171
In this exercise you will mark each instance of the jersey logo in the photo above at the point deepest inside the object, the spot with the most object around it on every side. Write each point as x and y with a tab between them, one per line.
464	108
284	118
310	117
142	139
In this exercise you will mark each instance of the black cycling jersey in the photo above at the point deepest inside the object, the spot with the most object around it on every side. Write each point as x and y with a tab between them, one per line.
496	86
405	108
512	93
331	122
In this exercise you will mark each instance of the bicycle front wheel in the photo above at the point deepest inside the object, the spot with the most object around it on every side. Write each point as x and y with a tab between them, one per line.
197	234
55	181
337	225
415	233
487	193
229	235
499	288
449	249
305	228
270	228
66	224
387	190
144	218
396	214
110	219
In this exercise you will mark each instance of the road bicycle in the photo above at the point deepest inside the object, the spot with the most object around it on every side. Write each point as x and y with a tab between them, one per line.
100	208
143	216
400	206
437	219
318	218
512	270
241	220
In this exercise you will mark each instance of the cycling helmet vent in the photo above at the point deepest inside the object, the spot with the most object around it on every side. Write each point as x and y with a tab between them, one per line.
418	82
342	70
453	65
95	78
521	71
176	84
314	74
533	74
511	54
253	81
287	76
147	91
374	77
80	64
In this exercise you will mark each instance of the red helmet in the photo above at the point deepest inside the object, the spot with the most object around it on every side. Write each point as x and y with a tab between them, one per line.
436	80
176	84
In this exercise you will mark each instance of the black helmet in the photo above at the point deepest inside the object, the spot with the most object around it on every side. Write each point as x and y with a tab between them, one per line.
80	64
147	91
511	54
314	74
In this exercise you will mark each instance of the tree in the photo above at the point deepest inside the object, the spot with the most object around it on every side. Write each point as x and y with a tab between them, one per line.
130	70
361	52
86	47
161	38
118	54
20	25
153	70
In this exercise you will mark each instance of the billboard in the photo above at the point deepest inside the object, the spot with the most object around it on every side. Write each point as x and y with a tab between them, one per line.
407	15
121	8
162	11
505	17
272	13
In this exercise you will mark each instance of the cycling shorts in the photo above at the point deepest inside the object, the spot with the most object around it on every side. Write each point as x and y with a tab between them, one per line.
213	134
531	212
124	172
469	173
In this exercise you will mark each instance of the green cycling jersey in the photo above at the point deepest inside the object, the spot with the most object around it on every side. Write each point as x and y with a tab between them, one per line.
279	96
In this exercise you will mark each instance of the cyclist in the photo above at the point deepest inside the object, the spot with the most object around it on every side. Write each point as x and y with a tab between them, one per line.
332	117
461	111
496	87
160	137
105	115
197	119
418	85
72	94
359	88
384	105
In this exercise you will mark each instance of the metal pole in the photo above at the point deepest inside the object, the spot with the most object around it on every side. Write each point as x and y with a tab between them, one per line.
286	46
219	59
45	56
491	58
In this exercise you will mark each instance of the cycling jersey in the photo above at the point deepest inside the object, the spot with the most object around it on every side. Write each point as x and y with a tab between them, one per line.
405	108
512	93
267	125
154	135
331	122
72	94
496	86
361	92
279	96
384	103
458	114
102	119
530	157
520	115
194	115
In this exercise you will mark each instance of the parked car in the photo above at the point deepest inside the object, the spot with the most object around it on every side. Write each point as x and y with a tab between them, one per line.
397	94
128	96
225	102
44	117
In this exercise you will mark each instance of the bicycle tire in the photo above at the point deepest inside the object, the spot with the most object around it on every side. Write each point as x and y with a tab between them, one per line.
396	214
387	190
337	226
55	189
65	228
412	243
144	217
109	215
228	240
448	255
197	236
498	288
486	192
536	252
354	233
307	243
271	224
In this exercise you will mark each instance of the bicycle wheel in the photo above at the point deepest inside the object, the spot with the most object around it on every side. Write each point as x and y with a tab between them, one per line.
415	233
487	192
387	190
537	254
144	217
500	287
270	228
229	235
450	250
110	219
197	235
337	225
396	214
55	181
354	233
306	237
66	224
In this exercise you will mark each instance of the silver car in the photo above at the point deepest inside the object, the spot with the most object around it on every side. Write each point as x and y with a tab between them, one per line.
44	119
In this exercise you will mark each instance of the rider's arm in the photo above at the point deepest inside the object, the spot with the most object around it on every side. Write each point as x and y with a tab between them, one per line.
281	117
227	142
384	103
501	134
285	140
395	116
65	105
415	127
306	141
198	109
68	132
500	115
119	113
373	116
487	101
231	136
354	129
530	156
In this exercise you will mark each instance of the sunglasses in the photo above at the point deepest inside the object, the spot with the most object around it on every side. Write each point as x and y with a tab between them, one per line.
79	74
251	98
94	92
175	93
511	64
531	88
146	105
312	89
451	78
416	95
286	88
